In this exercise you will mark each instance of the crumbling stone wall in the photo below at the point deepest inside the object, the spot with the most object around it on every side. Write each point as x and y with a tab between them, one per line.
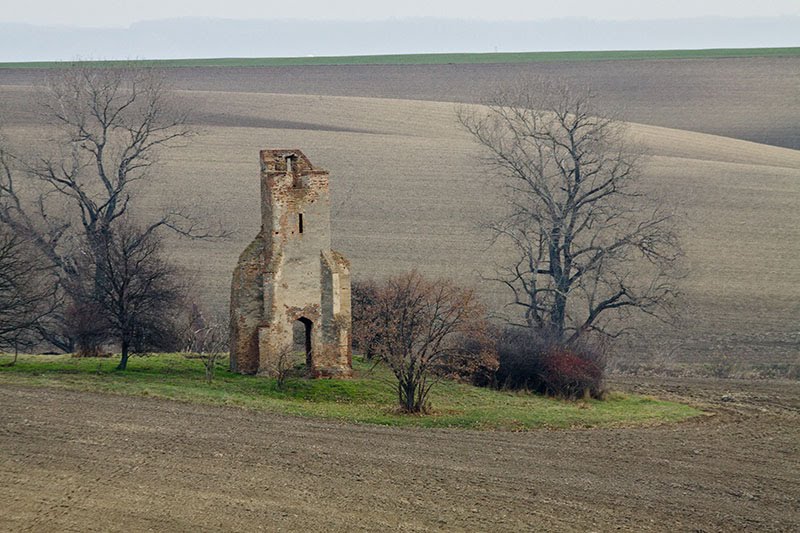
289	278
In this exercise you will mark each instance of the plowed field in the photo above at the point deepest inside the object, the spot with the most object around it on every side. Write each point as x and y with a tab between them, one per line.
74	461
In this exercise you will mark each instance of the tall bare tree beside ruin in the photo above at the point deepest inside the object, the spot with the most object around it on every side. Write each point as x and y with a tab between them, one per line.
588	246
111	125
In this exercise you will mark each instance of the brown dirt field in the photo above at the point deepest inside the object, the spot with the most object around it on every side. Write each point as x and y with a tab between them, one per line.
409	193
755	99
73	461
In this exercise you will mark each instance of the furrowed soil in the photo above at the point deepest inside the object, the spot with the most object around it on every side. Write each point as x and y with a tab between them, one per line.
755	99
72	461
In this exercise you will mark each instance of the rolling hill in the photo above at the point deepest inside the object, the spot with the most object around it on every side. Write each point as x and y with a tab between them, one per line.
408	193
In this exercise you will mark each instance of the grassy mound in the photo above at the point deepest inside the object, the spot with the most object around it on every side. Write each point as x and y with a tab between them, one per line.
368	398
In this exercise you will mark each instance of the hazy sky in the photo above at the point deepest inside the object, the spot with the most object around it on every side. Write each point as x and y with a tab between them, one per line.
94	13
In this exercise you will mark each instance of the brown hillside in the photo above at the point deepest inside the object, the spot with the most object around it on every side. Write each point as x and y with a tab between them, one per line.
756	99
408	193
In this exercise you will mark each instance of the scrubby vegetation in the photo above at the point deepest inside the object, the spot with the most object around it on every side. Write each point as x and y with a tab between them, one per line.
528	361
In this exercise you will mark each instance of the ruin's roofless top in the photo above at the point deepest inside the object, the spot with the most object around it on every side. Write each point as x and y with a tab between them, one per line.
289	160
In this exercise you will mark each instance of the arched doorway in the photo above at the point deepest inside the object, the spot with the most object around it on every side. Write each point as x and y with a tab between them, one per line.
301	335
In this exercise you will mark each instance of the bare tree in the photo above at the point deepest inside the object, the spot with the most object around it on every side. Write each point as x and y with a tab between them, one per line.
207	340
27	292
416	325
285	361
112	124
589	247
137	293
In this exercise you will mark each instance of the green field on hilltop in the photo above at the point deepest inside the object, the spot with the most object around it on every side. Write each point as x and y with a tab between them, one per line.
435	59
367	398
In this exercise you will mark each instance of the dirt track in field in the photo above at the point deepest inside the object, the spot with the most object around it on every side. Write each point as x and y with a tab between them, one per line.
74	461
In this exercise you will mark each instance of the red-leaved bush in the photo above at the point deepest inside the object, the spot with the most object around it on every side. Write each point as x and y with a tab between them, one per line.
571	375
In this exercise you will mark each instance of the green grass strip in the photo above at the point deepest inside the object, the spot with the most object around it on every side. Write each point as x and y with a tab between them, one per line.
368	398
431	59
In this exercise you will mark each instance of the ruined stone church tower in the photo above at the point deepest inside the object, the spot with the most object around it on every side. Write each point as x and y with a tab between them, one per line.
289	289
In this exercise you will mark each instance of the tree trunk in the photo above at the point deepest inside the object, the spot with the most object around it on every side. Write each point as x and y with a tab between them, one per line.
65	344
558	311
123	362
98	242
406	390
16	351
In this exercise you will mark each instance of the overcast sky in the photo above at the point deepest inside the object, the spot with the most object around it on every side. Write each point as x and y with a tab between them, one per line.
100	13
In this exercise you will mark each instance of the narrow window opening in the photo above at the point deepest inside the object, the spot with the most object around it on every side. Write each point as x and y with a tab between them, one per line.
300	222
289	159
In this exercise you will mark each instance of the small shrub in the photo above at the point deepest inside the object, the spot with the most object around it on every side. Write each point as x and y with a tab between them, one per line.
529	360
286	363
571	374
519	354
206	339
723	368
413	325
474	360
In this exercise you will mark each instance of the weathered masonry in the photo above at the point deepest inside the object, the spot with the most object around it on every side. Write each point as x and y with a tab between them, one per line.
290	291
